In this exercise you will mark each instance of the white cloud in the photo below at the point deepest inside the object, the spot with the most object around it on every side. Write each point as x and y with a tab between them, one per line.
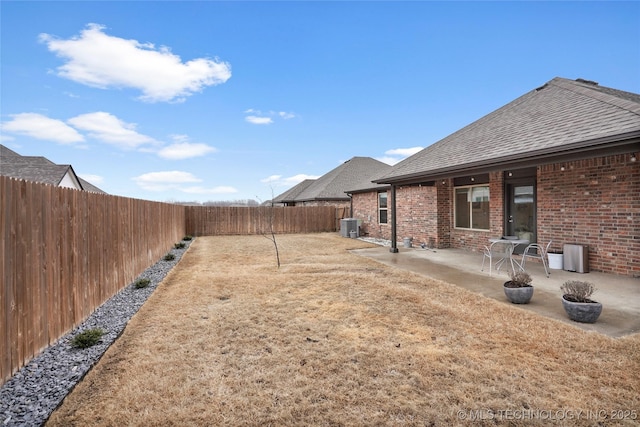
398	154
94	179
403	152
108	128
285	115
270	179
296	179
388	160
278	180
162	181
99	60
42	127
257	117
183	149
259	120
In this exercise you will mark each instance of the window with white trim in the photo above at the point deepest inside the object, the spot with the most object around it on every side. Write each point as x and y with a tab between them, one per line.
382	208
472	207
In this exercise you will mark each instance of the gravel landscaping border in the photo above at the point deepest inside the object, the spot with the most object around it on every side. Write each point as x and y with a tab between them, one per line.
35	391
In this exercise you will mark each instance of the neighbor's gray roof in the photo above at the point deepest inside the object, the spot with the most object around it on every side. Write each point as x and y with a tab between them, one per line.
560	117
87	186
334	184
365	183
291	194
37	169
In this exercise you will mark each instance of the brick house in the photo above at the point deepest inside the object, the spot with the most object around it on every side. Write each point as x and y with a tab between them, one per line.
329	189
559	163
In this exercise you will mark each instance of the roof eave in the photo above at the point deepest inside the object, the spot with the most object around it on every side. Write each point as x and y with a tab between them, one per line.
323	199
610	145
379	187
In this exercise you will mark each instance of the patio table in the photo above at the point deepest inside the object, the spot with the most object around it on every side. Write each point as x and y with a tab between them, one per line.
509	247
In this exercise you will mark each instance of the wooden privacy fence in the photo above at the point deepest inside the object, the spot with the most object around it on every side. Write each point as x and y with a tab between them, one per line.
64	253
220	220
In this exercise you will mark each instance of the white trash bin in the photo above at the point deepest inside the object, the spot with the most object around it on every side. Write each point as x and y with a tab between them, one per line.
556	261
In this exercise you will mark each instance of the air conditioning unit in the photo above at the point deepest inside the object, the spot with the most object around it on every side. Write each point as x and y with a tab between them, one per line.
347	225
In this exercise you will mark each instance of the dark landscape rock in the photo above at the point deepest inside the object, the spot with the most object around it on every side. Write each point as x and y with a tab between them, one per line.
36	390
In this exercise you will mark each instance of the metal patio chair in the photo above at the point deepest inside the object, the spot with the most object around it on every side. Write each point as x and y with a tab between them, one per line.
537	251
491	252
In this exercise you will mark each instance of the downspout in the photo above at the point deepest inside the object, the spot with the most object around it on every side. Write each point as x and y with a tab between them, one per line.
350	205
394	244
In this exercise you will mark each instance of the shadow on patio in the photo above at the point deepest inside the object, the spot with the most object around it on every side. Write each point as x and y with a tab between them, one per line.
620	296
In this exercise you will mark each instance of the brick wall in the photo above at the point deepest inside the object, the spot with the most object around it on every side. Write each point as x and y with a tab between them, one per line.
365	208
445	213
419	217
594	202
417	214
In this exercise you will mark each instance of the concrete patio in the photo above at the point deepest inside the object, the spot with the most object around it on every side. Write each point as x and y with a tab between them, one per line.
620	296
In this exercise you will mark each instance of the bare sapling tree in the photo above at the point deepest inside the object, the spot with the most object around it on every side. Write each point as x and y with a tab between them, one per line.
268	213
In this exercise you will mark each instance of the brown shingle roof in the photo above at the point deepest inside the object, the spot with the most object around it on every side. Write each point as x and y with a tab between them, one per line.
334	184
561	116
291	194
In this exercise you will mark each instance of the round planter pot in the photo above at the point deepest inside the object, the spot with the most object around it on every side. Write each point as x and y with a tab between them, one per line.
584	312
521	295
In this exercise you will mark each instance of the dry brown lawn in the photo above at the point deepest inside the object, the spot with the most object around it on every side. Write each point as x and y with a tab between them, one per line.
333	339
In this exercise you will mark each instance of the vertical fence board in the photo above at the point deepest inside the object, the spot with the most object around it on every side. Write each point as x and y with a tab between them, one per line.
64	255
32	233
49	262
41	200
19	287
5	362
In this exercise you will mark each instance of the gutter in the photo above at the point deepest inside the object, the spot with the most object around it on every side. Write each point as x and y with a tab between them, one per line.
610	145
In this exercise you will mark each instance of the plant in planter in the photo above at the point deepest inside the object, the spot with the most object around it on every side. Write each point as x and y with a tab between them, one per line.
577	302
519	289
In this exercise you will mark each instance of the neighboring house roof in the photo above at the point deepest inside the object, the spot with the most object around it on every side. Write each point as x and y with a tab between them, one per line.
366	184
291	194
87	186
334	184
563	118
41	169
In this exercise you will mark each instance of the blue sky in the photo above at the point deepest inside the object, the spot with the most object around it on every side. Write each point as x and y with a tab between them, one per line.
211	101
